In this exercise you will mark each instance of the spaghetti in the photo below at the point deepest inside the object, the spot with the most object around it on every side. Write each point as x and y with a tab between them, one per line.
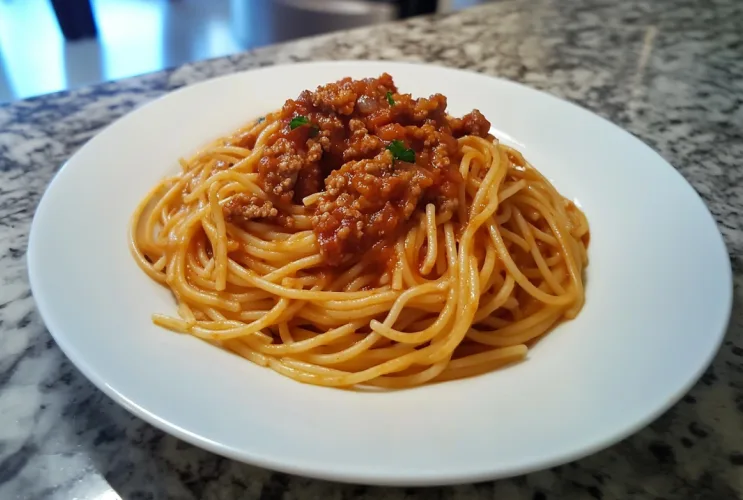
360	237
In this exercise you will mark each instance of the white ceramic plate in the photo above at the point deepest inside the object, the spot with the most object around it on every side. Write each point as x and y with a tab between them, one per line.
659	293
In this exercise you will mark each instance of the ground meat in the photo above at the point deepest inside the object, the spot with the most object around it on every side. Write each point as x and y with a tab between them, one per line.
310	178
342	97
361	144
340	140
365	202
279	167
473	123
284	164
243	207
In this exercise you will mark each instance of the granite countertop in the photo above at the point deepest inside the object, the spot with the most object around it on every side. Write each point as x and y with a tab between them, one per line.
671	72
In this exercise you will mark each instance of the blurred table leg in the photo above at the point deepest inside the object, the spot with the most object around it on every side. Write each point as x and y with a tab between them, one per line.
410	8
75	18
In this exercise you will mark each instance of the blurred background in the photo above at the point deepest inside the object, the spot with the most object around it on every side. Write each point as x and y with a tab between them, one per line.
52	45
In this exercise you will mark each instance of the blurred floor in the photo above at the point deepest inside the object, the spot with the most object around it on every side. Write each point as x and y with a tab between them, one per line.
135	37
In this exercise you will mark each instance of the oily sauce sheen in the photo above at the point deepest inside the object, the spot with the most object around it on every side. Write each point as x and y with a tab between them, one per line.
374	155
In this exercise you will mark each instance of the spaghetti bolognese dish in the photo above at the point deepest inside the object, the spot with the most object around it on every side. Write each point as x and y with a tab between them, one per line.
361	237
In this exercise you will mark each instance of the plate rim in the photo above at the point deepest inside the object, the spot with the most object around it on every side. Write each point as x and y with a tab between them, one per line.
371	478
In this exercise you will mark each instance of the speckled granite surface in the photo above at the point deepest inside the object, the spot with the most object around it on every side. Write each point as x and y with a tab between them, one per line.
671	72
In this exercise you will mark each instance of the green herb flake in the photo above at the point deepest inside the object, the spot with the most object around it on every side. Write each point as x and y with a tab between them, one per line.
261	119
400	152
390	99
298	121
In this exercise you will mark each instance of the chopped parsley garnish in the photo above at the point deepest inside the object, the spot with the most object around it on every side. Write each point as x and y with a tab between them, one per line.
400	152
298	121
261	119
390	99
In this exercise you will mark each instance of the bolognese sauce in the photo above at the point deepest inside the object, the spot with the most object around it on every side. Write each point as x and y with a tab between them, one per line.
374	155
